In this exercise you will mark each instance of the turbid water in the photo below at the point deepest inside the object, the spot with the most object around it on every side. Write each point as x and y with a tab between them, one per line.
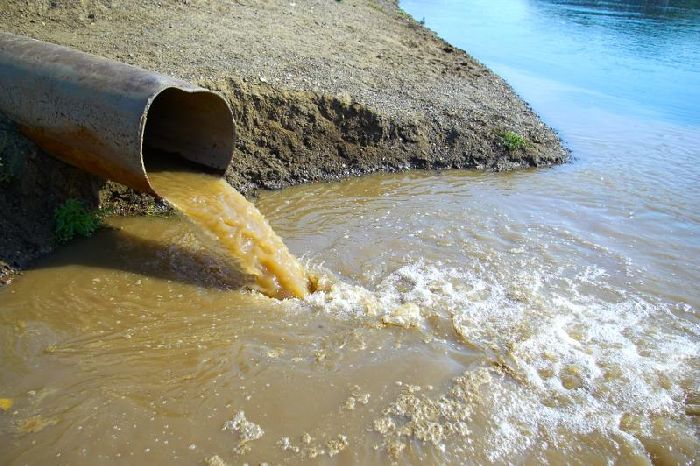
544	316
241	231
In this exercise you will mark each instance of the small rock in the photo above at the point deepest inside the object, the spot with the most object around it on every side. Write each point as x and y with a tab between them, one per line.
247	431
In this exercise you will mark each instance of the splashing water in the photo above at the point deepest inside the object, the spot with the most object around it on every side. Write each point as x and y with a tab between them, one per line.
565	371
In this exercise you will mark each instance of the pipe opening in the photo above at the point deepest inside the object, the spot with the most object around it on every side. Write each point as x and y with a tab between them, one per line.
196	126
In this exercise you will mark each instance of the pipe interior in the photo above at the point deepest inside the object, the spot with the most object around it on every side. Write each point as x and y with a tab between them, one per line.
196	126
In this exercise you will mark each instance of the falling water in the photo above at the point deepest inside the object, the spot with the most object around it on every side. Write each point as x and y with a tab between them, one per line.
240	228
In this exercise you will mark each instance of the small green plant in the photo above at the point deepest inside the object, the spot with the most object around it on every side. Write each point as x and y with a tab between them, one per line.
74	219
513	141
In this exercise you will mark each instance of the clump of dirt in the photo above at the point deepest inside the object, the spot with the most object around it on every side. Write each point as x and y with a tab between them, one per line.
320	90
247	431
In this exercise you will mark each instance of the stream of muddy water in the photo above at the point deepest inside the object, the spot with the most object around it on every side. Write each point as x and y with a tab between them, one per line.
534	317
241	232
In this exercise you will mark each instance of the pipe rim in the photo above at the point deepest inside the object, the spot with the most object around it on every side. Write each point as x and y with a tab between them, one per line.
221	127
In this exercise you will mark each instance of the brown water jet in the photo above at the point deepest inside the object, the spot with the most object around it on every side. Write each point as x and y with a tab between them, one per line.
240	229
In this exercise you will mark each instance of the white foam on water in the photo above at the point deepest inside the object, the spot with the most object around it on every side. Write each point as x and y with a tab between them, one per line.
569	363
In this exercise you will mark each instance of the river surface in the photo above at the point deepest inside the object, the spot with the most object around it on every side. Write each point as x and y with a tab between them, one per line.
535	317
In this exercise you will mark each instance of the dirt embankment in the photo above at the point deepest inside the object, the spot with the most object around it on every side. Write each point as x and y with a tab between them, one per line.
320	89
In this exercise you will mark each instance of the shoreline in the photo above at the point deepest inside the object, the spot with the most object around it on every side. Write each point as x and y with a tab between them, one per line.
320	92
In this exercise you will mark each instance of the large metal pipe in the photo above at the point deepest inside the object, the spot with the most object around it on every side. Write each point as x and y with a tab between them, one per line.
101	115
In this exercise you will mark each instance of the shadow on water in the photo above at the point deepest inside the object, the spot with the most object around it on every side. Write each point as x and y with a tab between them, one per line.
164	258
157	247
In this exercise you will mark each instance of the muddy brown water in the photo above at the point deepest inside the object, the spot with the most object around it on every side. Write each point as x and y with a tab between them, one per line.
457	327
241	232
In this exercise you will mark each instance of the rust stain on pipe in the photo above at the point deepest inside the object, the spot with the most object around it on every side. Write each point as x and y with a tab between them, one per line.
102	115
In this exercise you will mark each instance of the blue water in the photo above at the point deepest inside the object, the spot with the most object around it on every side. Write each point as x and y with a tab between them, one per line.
640	58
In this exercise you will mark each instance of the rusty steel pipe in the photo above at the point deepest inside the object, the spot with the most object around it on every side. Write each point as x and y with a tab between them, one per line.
102	115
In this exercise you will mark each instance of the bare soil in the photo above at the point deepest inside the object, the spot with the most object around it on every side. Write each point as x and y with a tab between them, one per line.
320	89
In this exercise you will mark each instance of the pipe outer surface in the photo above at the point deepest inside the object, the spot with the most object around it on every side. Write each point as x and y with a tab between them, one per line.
100	115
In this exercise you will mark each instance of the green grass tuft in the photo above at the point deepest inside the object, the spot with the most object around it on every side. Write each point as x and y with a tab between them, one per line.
513	141
74	219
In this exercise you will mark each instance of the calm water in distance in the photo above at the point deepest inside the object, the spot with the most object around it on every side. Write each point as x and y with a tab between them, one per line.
633	58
